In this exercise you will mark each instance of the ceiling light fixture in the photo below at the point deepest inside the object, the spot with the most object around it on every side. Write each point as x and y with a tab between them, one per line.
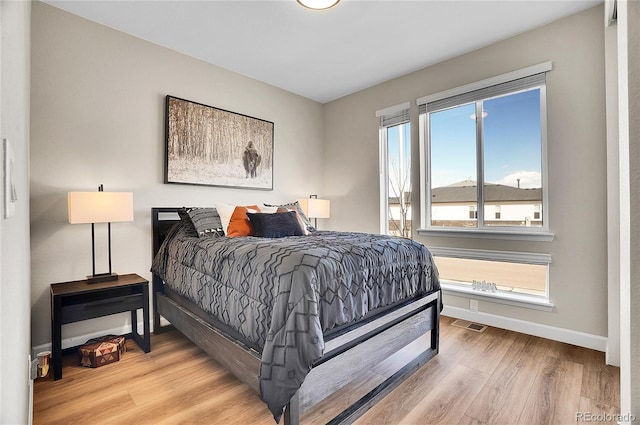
318	4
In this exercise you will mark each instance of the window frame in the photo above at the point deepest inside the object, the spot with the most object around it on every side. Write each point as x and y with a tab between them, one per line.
541	233
519	299
389	117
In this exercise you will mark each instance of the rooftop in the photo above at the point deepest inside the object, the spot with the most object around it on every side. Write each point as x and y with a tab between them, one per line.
467	191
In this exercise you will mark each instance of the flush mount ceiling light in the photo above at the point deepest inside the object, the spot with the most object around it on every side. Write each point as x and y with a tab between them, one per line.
318	4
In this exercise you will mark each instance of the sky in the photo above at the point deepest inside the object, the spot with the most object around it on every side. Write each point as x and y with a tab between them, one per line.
398	162
512	147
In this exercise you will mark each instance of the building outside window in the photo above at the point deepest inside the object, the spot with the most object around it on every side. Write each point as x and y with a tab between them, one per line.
473	213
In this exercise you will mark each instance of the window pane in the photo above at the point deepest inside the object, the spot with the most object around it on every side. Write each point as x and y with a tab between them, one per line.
512	160
399	184
454	194
507	276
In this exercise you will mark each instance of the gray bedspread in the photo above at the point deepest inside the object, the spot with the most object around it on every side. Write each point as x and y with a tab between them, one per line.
282	294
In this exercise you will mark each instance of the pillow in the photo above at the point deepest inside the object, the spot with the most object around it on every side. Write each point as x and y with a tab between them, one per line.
277	225
205	221
239	223
295	206
225	211
303	226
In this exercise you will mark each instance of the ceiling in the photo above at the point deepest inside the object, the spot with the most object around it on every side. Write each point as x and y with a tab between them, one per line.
324	55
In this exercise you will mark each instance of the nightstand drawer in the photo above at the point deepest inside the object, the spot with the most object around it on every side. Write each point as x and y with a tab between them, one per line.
97	308
79	300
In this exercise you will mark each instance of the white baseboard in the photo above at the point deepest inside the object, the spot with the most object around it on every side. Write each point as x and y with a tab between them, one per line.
81	339
581	339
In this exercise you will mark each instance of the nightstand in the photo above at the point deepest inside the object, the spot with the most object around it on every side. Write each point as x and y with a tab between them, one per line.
79	300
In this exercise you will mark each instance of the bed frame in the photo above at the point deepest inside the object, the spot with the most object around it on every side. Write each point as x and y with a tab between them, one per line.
358	349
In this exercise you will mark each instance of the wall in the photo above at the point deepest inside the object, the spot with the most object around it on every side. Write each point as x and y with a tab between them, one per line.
98	117
628	47
577	161
613	191
15	343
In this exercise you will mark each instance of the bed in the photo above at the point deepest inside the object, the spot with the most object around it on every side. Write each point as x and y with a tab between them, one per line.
297	317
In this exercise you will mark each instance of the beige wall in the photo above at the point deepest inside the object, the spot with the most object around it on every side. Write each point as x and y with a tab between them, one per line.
577	160
628	47
14	231
98	117
613	194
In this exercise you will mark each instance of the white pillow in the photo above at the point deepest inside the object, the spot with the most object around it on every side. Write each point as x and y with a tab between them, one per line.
225	211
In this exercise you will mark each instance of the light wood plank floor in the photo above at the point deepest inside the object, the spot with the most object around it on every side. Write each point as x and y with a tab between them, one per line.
494	377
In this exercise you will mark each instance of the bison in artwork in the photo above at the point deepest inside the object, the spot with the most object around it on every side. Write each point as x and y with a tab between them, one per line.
251	160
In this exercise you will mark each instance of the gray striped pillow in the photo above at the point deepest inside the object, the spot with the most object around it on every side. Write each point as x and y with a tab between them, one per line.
206	221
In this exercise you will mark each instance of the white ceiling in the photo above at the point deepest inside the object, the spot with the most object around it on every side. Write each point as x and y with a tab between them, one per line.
324	55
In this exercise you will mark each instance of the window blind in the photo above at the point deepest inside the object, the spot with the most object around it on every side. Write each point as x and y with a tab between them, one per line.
519	84
394	115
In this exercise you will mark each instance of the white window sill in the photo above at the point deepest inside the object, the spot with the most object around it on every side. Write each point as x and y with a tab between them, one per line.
534	236
509	298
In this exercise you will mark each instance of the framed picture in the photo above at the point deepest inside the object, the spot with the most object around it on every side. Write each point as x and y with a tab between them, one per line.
10	193
213	147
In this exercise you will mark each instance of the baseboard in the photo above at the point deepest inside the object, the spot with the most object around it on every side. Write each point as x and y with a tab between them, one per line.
81	339
581	339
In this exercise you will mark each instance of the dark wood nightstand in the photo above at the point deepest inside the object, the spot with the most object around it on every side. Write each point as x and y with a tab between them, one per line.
78	300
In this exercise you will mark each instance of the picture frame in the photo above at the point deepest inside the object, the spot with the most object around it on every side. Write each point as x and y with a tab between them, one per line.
210	146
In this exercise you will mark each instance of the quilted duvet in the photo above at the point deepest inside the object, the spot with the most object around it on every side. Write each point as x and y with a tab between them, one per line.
283	294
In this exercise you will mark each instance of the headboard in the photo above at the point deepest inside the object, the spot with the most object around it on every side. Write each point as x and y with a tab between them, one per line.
162	220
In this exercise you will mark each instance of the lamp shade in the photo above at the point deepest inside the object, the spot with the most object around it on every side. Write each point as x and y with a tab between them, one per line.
316	208
100	207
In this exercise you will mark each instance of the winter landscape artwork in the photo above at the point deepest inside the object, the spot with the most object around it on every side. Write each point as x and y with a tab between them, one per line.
214	147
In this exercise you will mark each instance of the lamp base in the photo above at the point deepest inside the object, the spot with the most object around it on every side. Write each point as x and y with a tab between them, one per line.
102	277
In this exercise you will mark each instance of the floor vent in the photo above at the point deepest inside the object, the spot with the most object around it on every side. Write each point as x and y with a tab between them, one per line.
476	327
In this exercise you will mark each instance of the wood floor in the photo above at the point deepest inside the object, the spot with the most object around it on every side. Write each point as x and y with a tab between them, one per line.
493	377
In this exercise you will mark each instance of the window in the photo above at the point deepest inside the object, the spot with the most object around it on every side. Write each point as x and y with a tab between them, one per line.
483	175
496	274
395	170
484	151
473	212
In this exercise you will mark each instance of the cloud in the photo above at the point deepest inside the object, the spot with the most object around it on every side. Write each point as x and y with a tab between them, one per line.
528	179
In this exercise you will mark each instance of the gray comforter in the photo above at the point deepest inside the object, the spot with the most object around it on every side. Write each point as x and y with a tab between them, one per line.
283	294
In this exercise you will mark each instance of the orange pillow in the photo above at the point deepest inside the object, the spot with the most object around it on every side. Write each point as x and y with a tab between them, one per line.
239	223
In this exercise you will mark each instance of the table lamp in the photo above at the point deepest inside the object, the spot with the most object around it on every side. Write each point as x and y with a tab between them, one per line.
100	207
315	208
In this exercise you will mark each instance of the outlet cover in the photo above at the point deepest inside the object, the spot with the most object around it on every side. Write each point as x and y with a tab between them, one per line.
473	305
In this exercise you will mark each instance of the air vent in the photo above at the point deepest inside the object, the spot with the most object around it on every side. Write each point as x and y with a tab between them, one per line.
476	327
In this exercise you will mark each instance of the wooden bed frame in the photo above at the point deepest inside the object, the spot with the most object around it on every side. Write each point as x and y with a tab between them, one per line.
354	351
